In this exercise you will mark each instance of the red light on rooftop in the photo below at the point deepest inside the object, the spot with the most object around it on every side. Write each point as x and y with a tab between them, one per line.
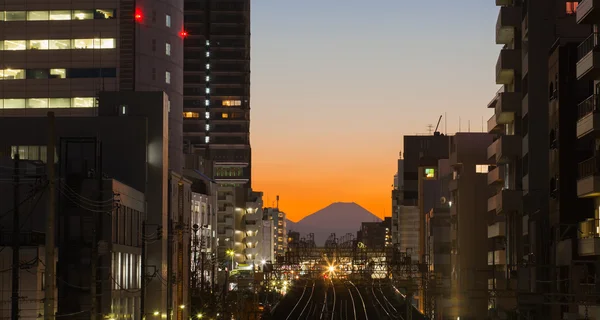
138	15
183	34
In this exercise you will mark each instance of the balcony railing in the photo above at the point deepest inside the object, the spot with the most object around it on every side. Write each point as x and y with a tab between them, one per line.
589	229
587	106
588	45
589	167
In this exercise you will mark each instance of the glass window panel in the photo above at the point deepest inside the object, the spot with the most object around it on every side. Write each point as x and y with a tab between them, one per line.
105	14
37	15
37	103
60	103
83	103
14	103
167	77
107	43
37	45
37	73
2	15
34	152
12	74
83	44
83	14
14	44
59	44
58	73
60	15
15	15
23	152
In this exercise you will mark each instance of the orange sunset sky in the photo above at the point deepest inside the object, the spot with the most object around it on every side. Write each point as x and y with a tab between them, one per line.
335	89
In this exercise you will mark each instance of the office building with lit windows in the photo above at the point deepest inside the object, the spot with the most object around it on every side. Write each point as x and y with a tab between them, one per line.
58	55
279	230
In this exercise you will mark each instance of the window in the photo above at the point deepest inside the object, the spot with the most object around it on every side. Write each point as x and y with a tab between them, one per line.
83	103
168	49
37	73
12	74
572	7
59	44
38	16
429	173
104	14
106	43
482	168
15	16
58	73
232	103
60	15
225	115
60	103
13	45
191	115
37	103
167	77
206	139
14	103
168	21
83	14
37	45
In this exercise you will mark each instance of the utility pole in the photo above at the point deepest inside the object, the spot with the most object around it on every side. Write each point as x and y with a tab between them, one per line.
14	310
49	276
96	236
143	273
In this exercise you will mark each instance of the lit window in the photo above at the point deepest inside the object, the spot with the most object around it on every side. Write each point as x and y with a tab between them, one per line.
207	115
482	168
37	45
206	102
207	66
167	77
572	7
38	15
14	103
60	15
225	115
37	103
83	14
206	139
168	49
207	54
232	103
105	14
13	45
207	127
168	21
12	74
106	43
83	103
191	115
59	44
59	103
207	78
58	73
429	173
15	16
207	90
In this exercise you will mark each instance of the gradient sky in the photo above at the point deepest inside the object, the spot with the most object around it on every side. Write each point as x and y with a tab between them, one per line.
336	84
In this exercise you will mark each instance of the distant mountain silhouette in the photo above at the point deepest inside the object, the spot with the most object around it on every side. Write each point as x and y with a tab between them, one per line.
339	218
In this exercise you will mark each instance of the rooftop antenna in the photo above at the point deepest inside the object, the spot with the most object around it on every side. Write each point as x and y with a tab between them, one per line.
429	128
469	125
445	123
400	155
459	124
277	197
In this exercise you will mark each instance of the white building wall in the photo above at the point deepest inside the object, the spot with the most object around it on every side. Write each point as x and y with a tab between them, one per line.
408	229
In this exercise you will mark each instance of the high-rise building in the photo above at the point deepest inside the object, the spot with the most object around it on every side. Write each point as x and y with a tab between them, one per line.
217	86
279	230
59	55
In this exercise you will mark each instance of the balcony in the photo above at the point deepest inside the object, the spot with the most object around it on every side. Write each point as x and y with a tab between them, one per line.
588	11
589	238
505	201
496	175
508	65
225	211
505	105
497	257
588	64
493	126
497	229
589	117
588	184
251	251
505	148
509	18
251	239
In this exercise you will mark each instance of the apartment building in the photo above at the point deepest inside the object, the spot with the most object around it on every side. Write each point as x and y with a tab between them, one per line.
375	234
470	258
253	218
217	85
59	55
279	230
397	197
203	240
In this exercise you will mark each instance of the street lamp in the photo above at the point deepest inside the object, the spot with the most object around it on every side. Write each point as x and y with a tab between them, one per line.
231	253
